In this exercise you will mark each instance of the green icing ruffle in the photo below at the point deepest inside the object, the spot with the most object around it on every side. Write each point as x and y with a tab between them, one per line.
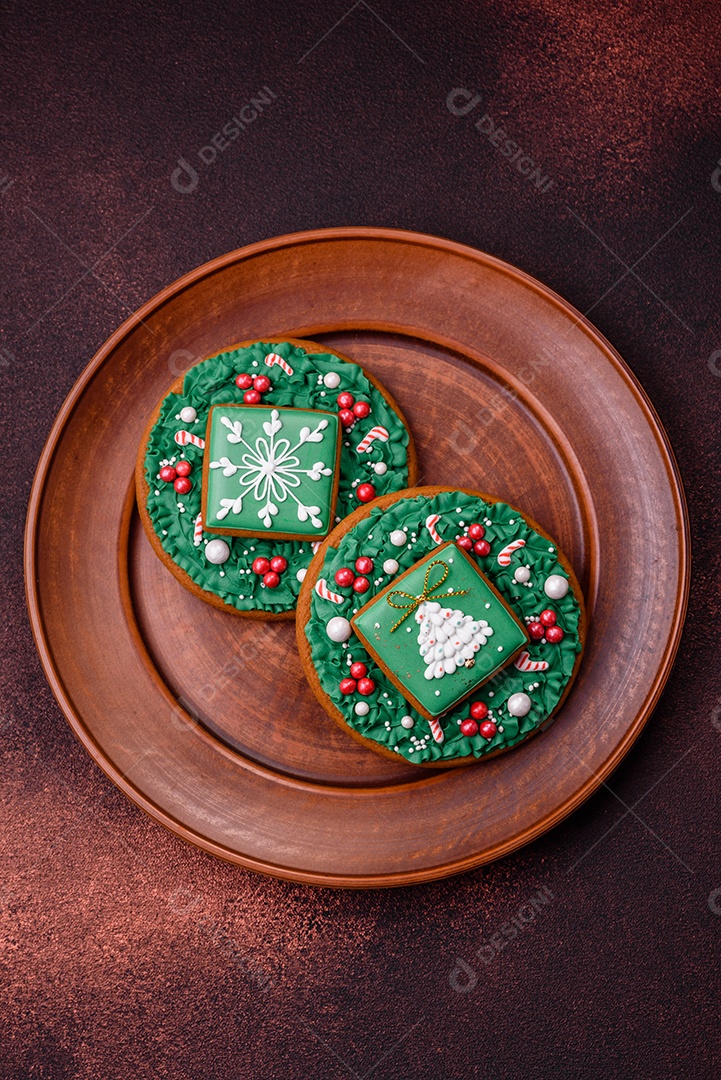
212	382
383	722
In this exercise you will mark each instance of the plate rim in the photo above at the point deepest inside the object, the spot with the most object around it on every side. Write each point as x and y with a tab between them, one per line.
98	754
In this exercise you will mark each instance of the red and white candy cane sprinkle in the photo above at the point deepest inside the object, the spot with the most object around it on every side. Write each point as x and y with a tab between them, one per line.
377	432
321	587
436	730
431	522
272	359
183	437
524	663
314	545
504	557
198	531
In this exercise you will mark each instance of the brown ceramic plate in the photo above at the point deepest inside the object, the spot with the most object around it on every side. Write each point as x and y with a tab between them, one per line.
206	721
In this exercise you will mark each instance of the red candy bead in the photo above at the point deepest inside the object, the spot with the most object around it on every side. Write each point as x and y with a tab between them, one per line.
348	686
168	474
347	418
488	729
244	382
361	584
345	400
361	409
476	532
358	670
183	468
547	617
536	631
261	383
261	565
554	634
469	727
365	493
364	565
479	710
251	397
344	577
366	686
465	542
482	547
182	485
278	564
271	580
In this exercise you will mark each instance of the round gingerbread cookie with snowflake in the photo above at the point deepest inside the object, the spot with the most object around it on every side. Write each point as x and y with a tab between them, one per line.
440	625
253	457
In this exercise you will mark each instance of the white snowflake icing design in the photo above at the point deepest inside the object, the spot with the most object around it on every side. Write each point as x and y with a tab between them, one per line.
270	470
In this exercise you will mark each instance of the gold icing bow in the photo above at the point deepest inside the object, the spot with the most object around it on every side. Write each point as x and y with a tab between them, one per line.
427	594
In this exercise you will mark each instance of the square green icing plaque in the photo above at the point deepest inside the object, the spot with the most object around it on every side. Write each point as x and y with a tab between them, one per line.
270	471
440	630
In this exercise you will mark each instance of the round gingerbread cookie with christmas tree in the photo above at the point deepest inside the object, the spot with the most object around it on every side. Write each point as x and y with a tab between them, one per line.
440	625
253	457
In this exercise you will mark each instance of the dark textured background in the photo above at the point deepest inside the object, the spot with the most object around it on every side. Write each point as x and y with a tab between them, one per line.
617	975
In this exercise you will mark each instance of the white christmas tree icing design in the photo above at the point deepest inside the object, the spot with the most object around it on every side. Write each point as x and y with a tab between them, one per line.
448	639
270	470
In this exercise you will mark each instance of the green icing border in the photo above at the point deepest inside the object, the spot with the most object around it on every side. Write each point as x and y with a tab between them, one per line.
387	706
212	382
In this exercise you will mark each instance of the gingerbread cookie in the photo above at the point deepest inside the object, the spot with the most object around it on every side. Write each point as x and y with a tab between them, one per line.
253	457
440	625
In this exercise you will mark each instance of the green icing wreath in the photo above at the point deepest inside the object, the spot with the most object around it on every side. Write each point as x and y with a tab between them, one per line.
212	382
387	707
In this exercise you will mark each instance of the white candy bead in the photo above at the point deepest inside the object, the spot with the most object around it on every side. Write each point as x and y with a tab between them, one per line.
407	722
338	629
362	708
188	414
332	380
390	566
217	552
398	538
519	704
556	587
521	574
301	574
380	468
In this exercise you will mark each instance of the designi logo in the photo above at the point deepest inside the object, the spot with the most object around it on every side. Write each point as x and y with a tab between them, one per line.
185	177
460	102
